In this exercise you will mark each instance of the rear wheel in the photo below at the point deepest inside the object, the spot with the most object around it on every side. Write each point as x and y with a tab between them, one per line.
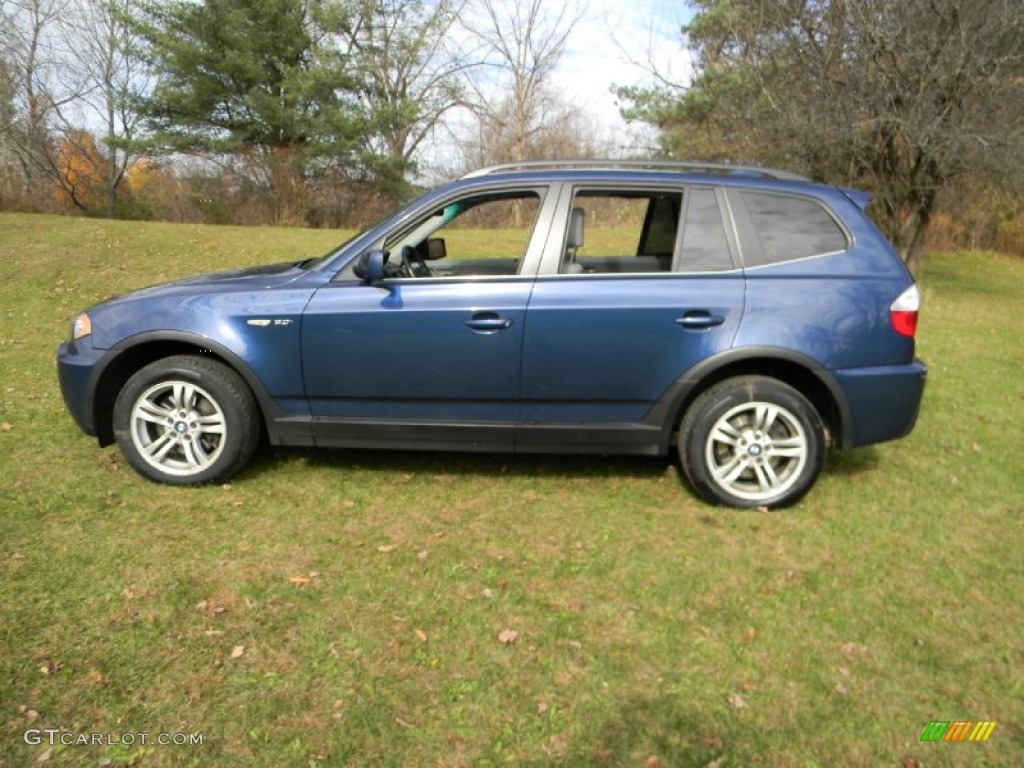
186	420
752	441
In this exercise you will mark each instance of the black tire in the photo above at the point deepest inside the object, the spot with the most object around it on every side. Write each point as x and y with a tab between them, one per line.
186	420
751	441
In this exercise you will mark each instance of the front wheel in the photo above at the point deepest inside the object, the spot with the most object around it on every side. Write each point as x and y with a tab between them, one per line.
752	441
186	420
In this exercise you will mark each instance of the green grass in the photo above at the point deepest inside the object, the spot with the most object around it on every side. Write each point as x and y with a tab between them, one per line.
890	597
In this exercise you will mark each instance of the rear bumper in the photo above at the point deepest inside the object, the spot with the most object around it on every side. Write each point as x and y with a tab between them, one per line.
882	403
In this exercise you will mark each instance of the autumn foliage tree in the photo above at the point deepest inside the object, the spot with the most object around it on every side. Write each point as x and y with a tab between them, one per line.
902	97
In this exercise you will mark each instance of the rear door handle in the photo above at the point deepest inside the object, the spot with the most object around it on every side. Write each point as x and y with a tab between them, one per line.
699	318
488	322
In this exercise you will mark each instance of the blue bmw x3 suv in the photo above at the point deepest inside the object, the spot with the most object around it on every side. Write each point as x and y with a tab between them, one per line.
745	317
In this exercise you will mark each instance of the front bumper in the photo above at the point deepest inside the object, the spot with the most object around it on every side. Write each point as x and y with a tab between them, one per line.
77	363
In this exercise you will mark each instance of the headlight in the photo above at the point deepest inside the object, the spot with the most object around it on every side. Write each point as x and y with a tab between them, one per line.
81	326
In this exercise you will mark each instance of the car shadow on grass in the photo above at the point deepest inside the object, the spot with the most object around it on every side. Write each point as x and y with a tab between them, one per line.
469	464
579	466
852	462
667	730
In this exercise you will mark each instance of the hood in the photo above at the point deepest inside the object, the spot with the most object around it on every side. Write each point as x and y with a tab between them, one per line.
246	278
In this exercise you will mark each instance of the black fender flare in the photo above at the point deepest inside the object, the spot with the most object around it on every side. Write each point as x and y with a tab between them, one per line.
114	355
671	405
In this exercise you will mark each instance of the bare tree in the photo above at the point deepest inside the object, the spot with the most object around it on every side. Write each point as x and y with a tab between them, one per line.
111	78
32	62
69	76
519	47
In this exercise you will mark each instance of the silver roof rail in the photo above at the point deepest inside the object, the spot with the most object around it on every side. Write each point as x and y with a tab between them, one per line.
654	165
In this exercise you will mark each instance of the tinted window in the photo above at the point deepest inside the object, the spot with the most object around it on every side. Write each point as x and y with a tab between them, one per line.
789	227
705	248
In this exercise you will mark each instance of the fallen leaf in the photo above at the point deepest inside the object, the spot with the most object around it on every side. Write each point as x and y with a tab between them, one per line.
507	636
237	651
299	581
314	574
848	648
423	555
6	426
488	593
201	605
127	594
653	761
420	635
385	548
96	677
841	689
542	707
45	757
736	701
716	763
31	714
51	666
403	723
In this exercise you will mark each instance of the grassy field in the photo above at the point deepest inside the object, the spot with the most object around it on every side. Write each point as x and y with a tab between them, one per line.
357	608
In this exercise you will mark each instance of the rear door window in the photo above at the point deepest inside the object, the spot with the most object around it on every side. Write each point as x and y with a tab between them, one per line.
645	232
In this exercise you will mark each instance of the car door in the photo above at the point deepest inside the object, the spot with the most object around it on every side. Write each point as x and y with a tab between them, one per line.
649	290
430	356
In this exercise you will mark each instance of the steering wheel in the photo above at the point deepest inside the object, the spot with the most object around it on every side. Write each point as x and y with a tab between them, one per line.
413	264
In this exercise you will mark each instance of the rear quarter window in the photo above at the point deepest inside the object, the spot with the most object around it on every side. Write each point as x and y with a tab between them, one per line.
788	227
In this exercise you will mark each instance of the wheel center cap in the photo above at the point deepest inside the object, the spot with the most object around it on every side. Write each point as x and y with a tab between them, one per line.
180	427
754	450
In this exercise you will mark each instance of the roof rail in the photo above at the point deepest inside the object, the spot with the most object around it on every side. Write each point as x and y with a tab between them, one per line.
656	165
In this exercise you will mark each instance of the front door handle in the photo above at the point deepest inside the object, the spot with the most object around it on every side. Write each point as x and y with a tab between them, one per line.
699	318
488	322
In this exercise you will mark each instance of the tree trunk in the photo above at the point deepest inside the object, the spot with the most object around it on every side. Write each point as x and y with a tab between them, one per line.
912	234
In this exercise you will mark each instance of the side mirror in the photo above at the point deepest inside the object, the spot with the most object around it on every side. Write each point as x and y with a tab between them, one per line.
436	249
370	266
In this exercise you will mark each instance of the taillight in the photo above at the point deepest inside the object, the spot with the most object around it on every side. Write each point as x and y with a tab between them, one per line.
904	311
